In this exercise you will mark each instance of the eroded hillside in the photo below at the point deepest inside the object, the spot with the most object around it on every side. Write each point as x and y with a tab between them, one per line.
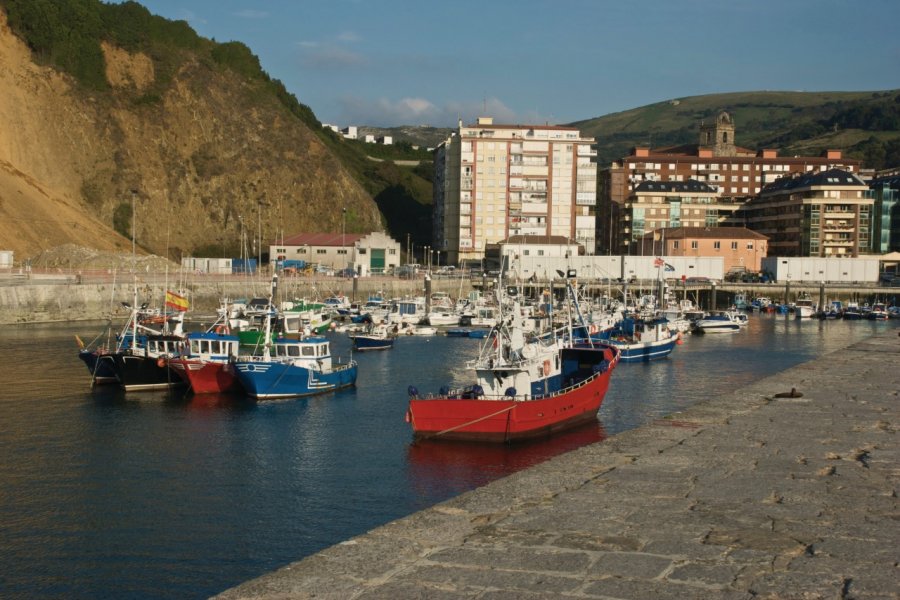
209	152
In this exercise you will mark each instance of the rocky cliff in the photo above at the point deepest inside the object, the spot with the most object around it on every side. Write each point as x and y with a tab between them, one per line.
211	154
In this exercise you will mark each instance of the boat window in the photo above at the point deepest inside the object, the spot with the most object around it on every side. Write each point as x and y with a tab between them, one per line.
214	347
195	346
279	351
309	351
294	351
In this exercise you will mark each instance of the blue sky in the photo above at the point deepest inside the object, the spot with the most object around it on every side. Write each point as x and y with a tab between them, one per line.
425	62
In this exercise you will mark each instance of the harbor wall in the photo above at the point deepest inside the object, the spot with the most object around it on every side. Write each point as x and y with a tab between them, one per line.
36	302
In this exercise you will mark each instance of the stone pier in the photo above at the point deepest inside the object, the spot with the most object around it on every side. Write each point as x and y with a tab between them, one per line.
762	493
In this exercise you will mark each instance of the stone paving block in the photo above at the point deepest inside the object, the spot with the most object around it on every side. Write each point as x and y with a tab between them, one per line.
706	574
486	577
630	564
618	588
503	557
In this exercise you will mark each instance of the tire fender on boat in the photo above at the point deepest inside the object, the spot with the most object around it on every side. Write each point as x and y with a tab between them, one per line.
546	367
160	362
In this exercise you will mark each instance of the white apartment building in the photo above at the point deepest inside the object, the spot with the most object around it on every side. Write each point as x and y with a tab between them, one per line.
496	181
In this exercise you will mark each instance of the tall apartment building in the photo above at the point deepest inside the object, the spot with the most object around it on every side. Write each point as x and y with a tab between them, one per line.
816	214
495	181
737	174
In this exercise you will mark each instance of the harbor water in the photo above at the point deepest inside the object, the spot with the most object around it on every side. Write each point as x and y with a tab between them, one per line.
156	495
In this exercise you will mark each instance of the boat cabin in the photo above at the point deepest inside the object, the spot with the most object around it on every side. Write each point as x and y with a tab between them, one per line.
311	353
212	346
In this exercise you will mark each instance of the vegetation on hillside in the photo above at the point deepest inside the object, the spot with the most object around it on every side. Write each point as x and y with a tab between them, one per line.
866	125
67	35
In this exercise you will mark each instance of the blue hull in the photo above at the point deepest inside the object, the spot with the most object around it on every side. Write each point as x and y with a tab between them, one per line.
362	342
643	352
265	380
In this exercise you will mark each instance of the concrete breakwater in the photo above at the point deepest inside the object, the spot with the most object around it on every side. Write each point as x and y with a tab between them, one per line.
783	489
35	302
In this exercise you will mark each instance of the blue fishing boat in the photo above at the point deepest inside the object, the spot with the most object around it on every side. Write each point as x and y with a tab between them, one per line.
641	340
292	368
289	368
379	337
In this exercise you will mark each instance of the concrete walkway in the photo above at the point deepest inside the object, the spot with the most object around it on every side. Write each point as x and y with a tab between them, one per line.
745	496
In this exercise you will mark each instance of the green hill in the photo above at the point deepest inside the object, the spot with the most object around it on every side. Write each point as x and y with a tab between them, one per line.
866	125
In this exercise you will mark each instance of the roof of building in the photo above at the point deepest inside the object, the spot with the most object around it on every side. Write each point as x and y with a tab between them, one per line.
518	126
322	239
735	233
693	151
892	182
540	240
829	178
691	185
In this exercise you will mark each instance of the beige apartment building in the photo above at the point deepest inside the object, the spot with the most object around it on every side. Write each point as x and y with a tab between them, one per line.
655	205
740	248
494	181
815	214
737	174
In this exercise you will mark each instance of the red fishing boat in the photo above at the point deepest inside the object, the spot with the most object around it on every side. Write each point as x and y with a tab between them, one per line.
521	387
204	365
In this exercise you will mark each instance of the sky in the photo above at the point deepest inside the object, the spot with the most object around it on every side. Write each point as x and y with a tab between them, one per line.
388	63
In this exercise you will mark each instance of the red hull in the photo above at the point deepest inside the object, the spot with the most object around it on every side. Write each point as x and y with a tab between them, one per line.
507	420
206	377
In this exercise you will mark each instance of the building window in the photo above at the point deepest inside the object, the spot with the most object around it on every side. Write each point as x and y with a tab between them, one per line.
526	252
717	245
390	251
280	250
694	244
342	251
301	250
675	245
734	245
540	252
320	251
362	250
749	245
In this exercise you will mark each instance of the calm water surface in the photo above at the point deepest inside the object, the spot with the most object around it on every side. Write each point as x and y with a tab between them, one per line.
148	495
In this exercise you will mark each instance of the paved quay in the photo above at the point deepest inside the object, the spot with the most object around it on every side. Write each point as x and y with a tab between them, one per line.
751	495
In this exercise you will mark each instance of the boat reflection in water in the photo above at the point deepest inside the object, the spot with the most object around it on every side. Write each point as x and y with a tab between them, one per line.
442	468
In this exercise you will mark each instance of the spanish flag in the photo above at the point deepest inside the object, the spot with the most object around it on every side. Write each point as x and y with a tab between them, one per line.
175	301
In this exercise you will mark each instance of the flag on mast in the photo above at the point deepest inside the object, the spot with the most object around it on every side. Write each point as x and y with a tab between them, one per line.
658	262
173	300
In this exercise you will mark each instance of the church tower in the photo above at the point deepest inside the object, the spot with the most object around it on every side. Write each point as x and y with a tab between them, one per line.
719	136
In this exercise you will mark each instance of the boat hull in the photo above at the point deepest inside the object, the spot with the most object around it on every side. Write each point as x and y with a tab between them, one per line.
364	342
644	351
507	419
205	377
269	379
137	373
100	365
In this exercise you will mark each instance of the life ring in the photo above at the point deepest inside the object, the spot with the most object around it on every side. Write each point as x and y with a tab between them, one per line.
546	367
594	329
160	362
222	330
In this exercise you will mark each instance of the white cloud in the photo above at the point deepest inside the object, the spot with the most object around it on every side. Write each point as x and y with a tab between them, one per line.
348	37
329	57
421	111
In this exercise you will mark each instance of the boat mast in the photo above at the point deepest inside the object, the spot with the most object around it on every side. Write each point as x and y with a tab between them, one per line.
268	333
134	306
